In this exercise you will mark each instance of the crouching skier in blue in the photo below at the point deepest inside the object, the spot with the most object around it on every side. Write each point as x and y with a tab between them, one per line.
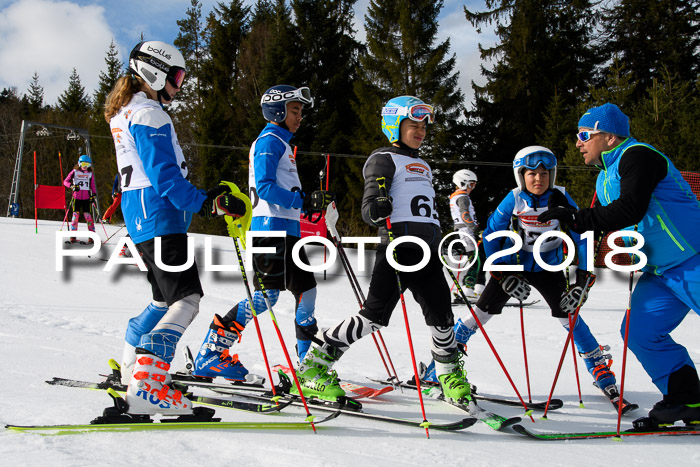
535	170
275	192
158	202
639	187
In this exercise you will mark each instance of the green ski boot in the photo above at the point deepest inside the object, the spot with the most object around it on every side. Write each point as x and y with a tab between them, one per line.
315	374
452	378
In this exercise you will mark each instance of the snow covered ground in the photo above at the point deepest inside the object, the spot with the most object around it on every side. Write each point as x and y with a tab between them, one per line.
69	324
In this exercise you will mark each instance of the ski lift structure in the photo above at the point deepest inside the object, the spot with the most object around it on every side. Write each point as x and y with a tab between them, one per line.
41	130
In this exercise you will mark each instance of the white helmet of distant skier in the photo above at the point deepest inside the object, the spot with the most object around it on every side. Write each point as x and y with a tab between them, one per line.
157	63
274	101
532	157
462	178
400	108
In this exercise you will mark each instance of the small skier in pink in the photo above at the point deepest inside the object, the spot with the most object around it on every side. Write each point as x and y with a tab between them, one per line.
82	181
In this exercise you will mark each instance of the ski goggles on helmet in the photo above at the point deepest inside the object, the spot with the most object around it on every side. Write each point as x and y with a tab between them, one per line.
302	95
417	112
535	159
584	136
84	165
176	76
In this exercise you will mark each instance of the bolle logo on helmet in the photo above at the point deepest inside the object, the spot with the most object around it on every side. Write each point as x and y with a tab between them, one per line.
160	52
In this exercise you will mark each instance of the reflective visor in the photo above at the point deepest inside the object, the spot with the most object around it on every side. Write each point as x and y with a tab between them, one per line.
420	112
85	165
176	76
531	161
584	136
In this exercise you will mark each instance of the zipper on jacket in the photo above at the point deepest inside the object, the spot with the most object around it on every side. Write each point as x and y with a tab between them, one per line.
668	231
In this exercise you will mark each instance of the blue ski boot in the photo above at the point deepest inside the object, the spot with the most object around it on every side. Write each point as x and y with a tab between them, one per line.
213	358
598	364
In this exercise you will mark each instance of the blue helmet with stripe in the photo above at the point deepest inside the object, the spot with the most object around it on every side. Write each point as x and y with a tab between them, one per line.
400	108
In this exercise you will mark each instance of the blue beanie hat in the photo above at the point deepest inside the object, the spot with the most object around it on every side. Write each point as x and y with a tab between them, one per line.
608	118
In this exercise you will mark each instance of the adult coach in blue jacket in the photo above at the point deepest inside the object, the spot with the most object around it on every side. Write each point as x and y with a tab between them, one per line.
640	188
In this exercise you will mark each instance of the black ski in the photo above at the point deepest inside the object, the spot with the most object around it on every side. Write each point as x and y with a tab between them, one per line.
614	397
345	406
554	404
665	431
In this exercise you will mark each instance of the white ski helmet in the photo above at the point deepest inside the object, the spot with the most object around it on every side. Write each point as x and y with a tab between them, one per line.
530	158
157	62
462	178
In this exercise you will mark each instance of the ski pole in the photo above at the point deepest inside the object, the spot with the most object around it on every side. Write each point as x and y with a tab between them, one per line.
381	181
100	218
573	350
331	220
527	368
569	338
528	412
68	208
236	229
624	352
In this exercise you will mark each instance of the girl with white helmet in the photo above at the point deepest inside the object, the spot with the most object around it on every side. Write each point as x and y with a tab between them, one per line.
535	170
398	184
158	201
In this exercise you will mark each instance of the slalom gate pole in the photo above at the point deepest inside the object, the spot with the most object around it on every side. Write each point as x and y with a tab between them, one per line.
624	351
527	367
382	192
331	219
528	412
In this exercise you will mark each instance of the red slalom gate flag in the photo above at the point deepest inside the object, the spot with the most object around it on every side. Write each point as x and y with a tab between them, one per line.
50	197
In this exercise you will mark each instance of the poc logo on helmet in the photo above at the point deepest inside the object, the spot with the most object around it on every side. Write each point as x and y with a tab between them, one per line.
276	96
159	52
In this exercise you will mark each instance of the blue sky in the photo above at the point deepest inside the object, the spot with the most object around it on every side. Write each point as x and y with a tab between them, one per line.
53	36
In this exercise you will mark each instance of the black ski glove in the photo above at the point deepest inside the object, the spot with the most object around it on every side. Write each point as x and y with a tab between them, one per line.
380	209
578	293
565	215
317	201
221	202
514	285
75	188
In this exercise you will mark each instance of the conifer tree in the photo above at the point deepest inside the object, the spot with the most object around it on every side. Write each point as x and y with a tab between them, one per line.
108	78
35	96
269	56
650	37
74	100
189	42
542	53
221	115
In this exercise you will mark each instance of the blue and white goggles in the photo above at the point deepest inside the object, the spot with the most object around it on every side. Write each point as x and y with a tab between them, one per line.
417	112
302	95
533	160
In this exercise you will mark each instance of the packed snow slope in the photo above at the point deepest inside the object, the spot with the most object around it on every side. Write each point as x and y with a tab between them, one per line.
70	323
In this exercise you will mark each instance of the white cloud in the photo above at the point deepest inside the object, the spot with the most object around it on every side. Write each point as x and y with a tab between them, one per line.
52	38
